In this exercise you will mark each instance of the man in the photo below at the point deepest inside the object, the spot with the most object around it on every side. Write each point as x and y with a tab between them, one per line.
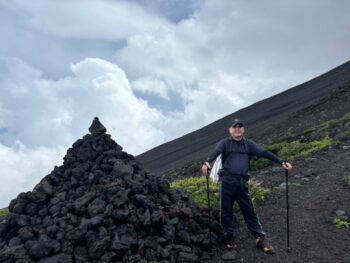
236	152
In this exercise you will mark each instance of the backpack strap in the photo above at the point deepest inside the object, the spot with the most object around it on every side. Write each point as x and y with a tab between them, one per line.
247	150
226	151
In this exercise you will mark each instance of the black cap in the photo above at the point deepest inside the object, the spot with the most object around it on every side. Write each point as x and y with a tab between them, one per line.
235	122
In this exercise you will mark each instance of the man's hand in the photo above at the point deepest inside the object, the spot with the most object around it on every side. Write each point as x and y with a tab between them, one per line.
205	168
287	166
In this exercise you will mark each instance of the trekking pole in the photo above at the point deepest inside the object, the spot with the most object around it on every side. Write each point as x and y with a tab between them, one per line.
287	204
209	209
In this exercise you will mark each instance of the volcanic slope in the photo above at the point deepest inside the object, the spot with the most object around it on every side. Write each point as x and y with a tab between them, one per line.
268	121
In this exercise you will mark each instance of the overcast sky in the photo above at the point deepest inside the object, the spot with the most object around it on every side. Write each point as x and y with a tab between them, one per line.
150	70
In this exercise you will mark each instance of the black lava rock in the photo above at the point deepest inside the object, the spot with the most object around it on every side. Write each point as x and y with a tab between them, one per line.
102	206
97	127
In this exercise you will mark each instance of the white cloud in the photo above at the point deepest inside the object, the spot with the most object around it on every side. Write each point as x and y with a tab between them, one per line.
51	115
46	116
150	86
160	54
225	55
57	112
102	19
23	168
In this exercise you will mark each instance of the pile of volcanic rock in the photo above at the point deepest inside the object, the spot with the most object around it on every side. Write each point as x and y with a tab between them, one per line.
102	206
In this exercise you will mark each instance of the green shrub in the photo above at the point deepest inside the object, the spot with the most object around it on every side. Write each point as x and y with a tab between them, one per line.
3	212
297	149
310	130
340	223
334	123
291	151
259	164
196	188
257	192
347	179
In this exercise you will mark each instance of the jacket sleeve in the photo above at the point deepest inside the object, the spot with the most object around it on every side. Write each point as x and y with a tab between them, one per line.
219	149
259	151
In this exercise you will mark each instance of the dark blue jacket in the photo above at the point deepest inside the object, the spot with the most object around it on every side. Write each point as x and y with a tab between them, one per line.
235	157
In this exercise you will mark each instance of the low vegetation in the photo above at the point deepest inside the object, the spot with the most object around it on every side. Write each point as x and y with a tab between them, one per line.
296	184
347	179
291	151
340	223
3	212
196	188
311	140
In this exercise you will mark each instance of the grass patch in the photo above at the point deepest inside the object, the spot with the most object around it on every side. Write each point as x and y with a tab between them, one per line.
290	135
335	126
347	179
340	223
291	151
259	164
310	130
296	184
258	193
196	188
297	149
318	138
3	212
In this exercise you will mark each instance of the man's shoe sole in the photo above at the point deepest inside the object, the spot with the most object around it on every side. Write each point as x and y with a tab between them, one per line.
269	251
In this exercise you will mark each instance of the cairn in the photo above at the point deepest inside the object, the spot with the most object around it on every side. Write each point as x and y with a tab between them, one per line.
102	206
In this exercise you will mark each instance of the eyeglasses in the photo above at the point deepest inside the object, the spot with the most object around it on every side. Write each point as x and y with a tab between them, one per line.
237	126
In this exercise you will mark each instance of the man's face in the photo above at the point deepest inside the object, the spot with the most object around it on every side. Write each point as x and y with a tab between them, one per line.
237	131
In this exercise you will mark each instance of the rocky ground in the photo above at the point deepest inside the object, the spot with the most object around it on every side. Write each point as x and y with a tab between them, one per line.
318	189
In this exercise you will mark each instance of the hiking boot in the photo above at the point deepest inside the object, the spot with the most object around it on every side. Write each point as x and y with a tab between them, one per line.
264	245
229	241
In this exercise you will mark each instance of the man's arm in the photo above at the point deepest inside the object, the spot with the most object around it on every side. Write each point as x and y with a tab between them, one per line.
257	150
220	147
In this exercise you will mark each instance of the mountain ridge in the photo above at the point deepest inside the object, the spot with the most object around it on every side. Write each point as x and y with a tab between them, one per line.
263	118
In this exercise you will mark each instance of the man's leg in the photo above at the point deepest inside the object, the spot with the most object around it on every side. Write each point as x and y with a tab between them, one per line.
250	217
227	198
